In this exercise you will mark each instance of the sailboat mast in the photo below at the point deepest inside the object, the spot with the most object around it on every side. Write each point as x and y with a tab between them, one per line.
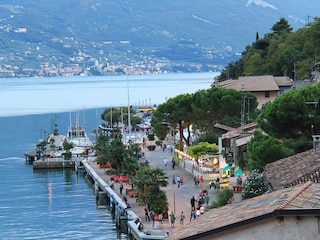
129	120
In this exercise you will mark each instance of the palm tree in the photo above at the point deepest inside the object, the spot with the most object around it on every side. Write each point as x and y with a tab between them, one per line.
148	183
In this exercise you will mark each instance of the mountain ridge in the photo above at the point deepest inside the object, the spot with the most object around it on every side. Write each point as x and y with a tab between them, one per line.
172	33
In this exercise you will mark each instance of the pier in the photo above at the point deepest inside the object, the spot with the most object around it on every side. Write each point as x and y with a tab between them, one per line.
125	218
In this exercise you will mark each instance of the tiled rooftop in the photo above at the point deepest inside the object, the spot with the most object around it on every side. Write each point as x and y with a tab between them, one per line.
300	197
283	172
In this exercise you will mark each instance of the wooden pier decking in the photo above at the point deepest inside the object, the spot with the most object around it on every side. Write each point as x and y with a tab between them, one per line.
54	162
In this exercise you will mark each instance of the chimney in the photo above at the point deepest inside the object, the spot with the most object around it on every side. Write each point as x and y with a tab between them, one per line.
237	193
316	142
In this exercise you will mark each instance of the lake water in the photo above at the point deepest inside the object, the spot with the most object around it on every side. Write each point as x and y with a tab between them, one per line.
59	204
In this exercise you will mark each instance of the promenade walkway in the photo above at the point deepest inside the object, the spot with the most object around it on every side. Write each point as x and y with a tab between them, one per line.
178	198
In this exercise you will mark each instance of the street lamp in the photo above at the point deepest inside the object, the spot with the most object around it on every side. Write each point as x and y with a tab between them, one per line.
174	200
311	119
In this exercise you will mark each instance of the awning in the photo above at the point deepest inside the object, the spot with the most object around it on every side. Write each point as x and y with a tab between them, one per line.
238	172
226	168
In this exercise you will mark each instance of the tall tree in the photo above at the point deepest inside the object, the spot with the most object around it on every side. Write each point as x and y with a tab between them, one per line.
281	27
176	113
148	183
263	149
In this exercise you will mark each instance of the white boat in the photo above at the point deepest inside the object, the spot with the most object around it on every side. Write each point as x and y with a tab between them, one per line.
78	137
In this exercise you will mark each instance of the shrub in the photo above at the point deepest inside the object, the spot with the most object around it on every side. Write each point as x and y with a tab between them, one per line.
223	198
158	142
176	159
110	171
151	147
254	185
151	136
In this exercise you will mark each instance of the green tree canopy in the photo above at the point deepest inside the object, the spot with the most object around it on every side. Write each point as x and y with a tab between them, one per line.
263	149
148	183
281	27
202	148
280	52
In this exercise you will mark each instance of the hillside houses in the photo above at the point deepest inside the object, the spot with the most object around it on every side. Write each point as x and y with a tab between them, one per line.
265	88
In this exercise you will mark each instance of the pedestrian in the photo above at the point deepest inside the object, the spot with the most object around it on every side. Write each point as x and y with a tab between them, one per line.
152	218
156	221
111	183
173	163
197	180
181	181
121	187
178	181
217	185
172	219
182	217
193	214
165	162
206	198
146	214
201	180
160	217
192	202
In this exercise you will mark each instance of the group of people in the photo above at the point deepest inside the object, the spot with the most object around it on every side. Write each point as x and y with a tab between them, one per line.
198	180
165	163
168	147
197	203
157	219
180	181
215	185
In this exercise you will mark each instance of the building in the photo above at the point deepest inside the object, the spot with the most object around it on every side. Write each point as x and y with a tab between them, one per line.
265	88
287	214
232	144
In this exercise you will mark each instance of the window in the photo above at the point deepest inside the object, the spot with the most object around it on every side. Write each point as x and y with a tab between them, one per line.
267	94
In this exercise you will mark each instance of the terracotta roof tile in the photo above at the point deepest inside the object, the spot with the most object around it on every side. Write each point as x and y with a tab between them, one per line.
303	197
283	172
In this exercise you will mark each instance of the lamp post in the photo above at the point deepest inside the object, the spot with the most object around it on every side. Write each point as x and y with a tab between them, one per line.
311	119
174	200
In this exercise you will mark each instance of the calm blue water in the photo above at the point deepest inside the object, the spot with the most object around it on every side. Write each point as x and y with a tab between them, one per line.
43	204
60	204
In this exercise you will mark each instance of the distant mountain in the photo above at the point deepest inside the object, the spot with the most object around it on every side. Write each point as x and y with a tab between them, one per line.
101	36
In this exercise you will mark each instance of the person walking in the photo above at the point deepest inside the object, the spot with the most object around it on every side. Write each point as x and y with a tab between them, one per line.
193	203
193	214
181	181
152	215
178	181
182	217
146	214
206	199
111	183
172	219
201	180
173	163
121	187
165	162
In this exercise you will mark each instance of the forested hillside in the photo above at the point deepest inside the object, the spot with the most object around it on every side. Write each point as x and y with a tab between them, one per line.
281	52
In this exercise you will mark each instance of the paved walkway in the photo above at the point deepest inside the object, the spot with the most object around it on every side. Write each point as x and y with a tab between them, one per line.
178	198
